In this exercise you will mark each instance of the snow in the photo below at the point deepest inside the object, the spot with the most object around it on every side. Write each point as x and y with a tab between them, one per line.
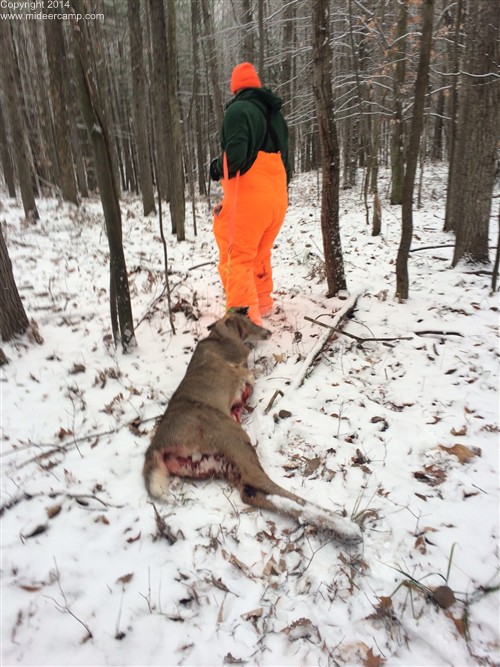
94	574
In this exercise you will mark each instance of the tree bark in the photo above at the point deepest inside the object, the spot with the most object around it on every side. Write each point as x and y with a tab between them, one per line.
12	94
397	134
56	54
13	318
7	164
323	93
417	123
177	194
92	112
139	107
478	133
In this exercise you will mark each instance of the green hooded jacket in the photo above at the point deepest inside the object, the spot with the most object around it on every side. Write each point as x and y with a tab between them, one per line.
245	130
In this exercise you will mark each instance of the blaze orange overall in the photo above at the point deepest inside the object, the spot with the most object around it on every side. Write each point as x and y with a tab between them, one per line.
246	224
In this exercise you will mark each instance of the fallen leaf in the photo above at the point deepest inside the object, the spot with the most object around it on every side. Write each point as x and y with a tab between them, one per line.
312	465
36	531
460	623
372	660
303	628
125	578
134	539
31	589
464	454
252	615
459	432
53	511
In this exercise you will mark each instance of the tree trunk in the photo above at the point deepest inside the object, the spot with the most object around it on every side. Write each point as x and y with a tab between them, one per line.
248	31
323	93
397	134
159	98
478	133
454	58
200	144
139	107
92	112
54	39
177	194
12	95
417	123
212	60
13	319
7	165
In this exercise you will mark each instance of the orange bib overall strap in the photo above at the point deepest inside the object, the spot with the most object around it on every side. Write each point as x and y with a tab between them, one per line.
231	220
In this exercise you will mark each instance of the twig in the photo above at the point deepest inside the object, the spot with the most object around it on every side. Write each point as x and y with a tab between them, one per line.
350	335
322	344
438	333
65	607
432	247
277	393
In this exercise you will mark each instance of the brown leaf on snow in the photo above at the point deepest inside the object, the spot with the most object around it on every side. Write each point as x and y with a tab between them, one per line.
431	475
372	660
460	623
36	531
63	433
134	539
31	589
384	609
360	653
459	432
252	615
125	578
53	511
303	628
312	465
229	660
464	454
231	558
77	368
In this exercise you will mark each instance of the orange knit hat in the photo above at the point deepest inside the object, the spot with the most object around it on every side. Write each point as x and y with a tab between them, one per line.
244	76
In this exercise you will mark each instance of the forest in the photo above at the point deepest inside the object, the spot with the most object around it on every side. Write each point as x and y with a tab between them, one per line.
120	98
376	395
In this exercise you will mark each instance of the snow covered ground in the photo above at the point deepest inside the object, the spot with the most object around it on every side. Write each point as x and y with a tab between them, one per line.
401	434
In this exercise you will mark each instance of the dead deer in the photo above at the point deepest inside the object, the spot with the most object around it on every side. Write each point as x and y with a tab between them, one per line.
200	436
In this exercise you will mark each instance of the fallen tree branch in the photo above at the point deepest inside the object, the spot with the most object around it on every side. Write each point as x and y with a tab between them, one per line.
438	333
324	342
350	335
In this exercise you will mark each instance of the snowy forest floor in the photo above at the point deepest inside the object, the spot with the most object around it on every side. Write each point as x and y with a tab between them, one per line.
401	434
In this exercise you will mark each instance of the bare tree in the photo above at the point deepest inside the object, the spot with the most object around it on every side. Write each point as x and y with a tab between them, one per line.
11	88
56	54
417	121
397	133
139	106
92	111
323	93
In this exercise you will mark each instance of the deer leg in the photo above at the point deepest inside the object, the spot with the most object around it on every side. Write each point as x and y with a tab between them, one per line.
305	512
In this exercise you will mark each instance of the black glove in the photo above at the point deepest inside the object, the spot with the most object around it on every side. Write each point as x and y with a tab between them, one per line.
215	173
